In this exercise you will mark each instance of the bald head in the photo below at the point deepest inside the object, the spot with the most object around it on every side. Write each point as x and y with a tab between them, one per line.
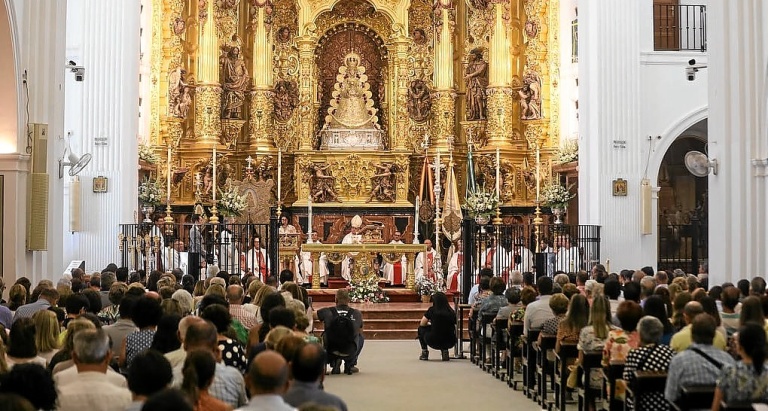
201	335
268	374
235	294
691	310
184	325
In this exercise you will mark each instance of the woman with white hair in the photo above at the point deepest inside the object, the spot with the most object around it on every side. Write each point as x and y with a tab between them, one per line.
649	356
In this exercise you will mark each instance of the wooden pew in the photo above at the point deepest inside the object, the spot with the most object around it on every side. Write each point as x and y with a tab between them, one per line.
529	364
498	345
567	354
646	382
590	360
543	366
515	333
694	397
485	339
612	373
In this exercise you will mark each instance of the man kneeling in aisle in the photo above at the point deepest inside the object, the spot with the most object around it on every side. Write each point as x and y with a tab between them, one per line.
343	337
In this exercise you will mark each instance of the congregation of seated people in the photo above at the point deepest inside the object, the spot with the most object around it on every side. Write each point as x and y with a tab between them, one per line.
663	340
116	340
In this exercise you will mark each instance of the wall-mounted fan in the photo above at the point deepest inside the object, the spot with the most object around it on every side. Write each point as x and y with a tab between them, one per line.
76	163
699	163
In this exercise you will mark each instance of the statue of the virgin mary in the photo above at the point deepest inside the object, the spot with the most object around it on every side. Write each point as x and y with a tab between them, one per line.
351	102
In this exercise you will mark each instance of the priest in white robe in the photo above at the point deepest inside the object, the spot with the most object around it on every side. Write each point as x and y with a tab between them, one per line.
229	256
153	250
567	256
256	260
351	238
455	267
424	265
305	265
172	257
395	273
496	258
522	259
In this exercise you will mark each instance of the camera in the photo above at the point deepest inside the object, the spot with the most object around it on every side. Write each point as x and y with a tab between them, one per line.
78	70
692	69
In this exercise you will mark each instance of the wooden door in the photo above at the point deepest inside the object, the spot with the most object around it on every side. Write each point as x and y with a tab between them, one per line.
666	25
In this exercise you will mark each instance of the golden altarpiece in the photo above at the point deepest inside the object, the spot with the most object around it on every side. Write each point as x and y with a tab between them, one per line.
346	91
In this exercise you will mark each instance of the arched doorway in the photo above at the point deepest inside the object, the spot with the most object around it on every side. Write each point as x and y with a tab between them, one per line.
682	205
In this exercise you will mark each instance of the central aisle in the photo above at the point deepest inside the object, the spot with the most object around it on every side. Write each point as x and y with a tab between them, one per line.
392	378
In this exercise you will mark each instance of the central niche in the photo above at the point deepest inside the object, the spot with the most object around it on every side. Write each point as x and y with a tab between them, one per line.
332	49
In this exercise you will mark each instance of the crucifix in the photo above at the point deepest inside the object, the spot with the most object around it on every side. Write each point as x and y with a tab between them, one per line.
249	160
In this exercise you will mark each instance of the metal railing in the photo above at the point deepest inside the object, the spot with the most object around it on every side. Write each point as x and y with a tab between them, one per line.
683	246
507	248
168	246
680	27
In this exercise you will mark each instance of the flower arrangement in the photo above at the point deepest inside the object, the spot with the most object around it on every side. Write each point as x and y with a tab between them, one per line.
425	286
147	154
231	203
555	195
366	290
568	151
150	192
482	202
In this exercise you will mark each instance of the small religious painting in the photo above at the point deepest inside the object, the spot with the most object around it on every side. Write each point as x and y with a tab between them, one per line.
100	184
419	36
620	187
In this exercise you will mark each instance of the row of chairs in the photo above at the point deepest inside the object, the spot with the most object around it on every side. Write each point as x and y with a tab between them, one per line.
545	381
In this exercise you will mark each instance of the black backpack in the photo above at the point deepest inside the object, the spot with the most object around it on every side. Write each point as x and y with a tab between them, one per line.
340	334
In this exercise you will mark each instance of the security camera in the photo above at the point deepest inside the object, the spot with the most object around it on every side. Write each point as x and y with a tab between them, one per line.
78	70
692	69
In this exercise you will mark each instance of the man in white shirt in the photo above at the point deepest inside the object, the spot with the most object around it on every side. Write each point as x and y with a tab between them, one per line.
424	265
395	272
455	266
305	265
496	258
567	256
91	388
256	259
539	311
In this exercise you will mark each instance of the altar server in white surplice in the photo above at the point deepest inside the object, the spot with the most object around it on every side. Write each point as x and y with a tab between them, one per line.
172	257
567	257
153	251
522	260
496	258
424	265
305	265
455	267
257	260
229	256
395	273
351	238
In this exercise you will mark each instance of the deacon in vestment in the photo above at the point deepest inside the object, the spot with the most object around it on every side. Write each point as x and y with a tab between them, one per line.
455	266
256	260
229	256
496	258
394	273
522	260
567	257
305	265
424	265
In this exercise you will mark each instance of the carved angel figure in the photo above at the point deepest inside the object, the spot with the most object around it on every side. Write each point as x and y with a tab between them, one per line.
383	183
178	93
234	82
419	101
322	186
530	97
286	99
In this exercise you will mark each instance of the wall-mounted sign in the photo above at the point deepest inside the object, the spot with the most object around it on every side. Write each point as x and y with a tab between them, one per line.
619	143
620	187
100	141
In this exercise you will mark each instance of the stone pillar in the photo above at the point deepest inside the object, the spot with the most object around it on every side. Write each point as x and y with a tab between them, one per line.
208	92
500	101
738	54
306	90
444	107
262	108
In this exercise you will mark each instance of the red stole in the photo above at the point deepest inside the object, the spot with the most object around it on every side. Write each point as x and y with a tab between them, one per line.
489	258
397	272
454	284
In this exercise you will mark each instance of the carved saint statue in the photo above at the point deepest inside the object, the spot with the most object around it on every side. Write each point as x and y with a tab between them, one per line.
476	76
383	183
530	97
351	102
286	99
178	93
419	100
322	186
234	83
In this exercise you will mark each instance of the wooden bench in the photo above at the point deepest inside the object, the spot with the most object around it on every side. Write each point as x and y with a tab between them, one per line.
590	360
529	363
485	339
567	354
694	397
498	345
646	382
613	373
543	366
515	333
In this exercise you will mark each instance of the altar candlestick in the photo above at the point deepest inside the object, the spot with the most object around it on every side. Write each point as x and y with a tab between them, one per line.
168	193
214	175
437	168
309	219
416	222
279	173
498	173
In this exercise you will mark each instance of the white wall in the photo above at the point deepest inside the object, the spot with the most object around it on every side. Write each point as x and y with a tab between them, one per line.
569	73
627	93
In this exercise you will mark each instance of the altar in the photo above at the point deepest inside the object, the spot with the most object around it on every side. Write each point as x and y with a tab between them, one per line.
351	140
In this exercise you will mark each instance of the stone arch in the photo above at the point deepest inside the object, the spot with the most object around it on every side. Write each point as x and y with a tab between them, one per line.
11	134
669	136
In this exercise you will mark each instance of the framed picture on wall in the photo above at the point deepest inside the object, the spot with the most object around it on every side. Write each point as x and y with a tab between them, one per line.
620	187
100	184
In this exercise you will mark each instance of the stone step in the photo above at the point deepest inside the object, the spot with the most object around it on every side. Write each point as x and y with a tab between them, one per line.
383	324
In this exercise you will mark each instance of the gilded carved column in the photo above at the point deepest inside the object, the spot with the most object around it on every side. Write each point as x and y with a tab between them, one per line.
445	106
306	46
208	93
500	93
262	107
400	136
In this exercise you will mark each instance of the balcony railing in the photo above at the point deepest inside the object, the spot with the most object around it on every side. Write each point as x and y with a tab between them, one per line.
679	27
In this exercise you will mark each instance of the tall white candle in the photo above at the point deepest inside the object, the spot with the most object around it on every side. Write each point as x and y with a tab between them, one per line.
437	168
214	175
309	219
168	192
279	173
498	173
538	173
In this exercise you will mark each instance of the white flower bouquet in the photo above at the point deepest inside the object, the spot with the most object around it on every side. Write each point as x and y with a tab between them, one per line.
150	192
555	195
425	286
366	291
147	154
231	203
481	202
568	151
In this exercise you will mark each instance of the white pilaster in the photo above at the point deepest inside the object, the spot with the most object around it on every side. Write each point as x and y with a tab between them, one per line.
738	206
